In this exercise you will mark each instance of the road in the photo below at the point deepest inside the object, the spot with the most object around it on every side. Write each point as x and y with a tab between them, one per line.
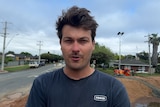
21	81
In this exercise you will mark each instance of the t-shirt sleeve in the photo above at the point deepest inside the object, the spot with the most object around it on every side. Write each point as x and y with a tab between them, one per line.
37	96
120	98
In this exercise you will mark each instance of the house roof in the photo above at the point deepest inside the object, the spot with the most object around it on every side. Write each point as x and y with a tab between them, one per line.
133	62
10	55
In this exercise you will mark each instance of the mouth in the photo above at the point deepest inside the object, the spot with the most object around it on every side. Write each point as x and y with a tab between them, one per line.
75	58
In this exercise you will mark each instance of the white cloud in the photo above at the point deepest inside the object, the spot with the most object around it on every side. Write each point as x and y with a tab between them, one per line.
35	21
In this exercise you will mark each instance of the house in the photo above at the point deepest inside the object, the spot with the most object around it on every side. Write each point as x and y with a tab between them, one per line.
18	57
10	55
132	64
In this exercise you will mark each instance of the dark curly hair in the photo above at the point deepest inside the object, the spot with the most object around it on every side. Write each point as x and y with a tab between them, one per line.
76	17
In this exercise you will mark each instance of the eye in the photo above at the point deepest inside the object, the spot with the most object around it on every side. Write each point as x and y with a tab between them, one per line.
83	41
68	41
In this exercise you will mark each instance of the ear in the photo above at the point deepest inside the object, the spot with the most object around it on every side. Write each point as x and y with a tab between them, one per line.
60	44
60	41
93	43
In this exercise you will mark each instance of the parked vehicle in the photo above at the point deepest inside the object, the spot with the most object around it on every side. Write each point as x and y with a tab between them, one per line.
42	63
33	64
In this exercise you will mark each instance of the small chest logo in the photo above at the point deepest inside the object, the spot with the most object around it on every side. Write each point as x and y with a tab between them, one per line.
100	98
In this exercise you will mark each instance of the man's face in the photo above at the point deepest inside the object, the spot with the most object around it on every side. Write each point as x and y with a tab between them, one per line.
77	47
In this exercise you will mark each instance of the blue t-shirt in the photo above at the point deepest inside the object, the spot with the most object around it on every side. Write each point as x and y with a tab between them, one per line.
55	89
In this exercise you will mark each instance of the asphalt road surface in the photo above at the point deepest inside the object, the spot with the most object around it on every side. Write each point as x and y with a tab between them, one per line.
22	80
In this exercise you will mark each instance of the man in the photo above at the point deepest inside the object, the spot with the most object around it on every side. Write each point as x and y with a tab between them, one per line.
77	84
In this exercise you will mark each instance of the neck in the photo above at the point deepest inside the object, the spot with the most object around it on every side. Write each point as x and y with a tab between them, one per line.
78	74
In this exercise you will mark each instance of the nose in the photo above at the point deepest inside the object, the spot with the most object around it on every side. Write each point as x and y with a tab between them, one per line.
75	47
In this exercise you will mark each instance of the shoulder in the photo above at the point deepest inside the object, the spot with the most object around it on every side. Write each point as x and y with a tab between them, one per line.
108	79
103	75
46	77
110	82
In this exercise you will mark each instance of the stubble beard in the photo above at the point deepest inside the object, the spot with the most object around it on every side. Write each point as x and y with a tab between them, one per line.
77	66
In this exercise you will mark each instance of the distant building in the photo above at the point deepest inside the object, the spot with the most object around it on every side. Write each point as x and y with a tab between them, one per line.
132	64
18	57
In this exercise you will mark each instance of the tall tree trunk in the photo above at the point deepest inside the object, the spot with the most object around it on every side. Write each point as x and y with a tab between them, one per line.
154	55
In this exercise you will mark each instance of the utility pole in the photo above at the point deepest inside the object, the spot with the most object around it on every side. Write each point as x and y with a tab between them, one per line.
39	44
4	43
149	53
120	33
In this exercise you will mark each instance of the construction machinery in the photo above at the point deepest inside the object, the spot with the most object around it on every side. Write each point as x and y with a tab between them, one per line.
120	72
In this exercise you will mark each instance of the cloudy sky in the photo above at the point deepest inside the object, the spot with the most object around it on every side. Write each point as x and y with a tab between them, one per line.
31	21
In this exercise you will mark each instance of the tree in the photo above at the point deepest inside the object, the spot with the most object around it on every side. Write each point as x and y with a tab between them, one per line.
101	54
10	52
26	53
129	57
51	57
154	39
143	56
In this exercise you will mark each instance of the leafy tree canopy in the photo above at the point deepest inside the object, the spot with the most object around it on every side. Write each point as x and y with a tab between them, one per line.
143	56
10	52
51	57
101	54
129	57
26	53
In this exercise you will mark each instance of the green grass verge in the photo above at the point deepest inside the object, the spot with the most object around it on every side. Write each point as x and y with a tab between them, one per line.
16	68
107	70
147	74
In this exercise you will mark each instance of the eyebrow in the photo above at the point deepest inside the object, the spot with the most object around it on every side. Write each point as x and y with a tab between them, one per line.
84	38
67	38
78	38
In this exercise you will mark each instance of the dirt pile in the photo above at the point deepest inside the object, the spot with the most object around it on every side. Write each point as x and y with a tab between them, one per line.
135	89
138	92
